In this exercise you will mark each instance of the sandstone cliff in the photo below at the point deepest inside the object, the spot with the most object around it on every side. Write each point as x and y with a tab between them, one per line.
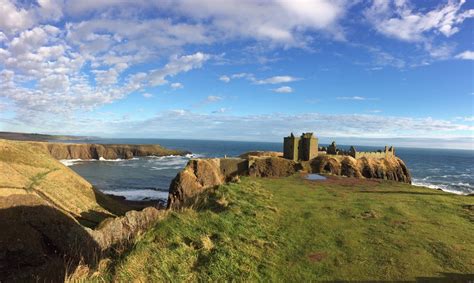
107	151
388	168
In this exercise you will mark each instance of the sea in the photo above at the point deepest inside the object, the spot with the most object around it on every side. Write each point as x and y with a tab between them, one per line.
148	178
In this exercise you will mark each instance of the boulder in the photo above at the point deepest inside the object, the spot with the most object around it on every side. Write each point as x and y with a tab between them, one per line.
198	175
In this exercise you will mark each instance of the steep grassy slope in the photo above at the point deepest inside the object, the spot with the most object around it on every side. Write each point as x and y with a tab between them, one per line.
291	229
44	210
26	168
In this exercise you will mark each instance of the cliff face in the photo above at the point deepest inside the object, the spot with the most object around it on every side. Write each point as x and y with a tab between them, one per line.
107	151
388	168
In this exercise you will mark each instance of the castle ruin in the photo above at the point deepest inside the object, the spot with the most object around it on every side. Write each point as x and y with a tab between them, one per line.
300	148
305	148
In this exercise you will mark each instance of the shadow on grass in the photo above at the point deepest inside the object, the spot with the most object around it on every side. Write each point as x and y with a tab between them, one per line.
41	243
448	277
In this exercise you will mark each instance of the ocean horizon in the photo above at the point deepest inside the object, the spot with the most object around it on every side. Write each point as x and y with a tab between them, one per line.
149	177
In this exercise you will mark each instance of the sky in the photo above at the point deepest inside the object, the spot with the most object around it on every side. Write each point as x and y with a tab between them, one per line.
363	72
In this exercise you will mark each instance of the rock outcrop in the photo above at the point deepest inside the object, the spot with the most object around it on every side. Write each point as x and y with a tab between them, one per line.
273	167
388	168
113	231
201	174
261	154
106	151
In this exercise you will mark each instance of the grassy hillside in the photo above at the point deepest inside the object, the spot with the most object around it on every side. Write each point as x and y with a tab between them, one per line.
27	168
38	137
296	230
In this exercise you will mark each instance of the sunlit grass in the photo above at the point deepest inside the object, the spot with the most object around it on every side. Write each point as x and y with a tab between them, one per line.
295	230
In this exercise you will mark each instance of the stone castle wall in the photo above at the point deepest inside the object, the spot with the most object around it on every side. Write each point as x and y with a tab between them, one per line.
370	154
388	152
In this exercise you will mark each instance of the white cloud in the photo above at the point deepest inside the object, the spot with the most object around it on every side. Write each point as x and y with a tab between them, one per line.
177	65
283	89
147	95
242	75
220	110
177	85
277	80
213	98
62	88
224	78
397	19
359	98
273	126
466	55
13	18
280	21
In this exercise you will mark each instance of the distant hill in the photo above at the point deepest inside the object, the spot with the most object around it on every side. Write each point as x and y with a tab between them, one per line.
39	137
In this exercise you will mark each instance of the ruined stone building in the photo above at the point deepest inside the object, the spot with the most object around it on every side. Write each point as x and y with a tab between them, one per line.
305	148
300	148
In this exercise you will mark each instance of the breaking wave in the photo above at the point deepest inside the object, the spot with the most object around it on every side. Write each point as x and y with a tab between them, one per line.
140	194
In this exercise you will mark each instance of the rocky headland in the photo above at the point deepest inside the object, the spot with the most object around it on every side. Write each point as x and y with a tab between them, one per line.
201	174
106	151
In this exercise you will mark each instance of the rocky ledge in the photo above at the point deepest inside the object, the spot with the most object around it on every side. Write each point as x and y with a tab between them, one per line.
107	151
201	174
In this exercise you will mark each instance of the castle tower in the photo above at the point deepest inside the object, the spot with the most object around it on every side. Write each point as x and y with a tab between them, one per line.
291	147
308	147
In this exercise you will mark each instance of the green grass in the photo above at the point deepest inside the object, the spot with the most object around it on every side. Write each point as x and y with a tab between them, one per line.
294	230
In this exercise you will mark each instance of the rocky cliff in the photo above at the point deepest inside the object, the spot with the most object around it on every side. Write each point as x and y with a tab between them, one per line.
388	168
201	174
106	151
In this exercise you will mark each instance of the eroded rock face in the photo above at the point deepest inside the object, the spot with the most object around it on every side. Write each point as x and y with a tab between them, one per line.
106	151
389	168
201	174
120	229
273	167
261	154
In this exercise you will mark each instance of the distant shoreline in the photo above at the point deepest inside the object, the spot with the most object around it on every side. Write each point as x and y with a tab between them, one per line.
41	137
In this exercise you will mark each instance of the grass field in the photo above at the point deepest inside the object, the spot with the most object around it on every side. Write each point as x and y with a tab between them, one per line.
291	229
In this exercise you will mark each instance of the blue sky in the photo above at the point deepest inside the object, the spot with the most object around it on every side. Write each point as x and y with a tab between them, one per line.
364	72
